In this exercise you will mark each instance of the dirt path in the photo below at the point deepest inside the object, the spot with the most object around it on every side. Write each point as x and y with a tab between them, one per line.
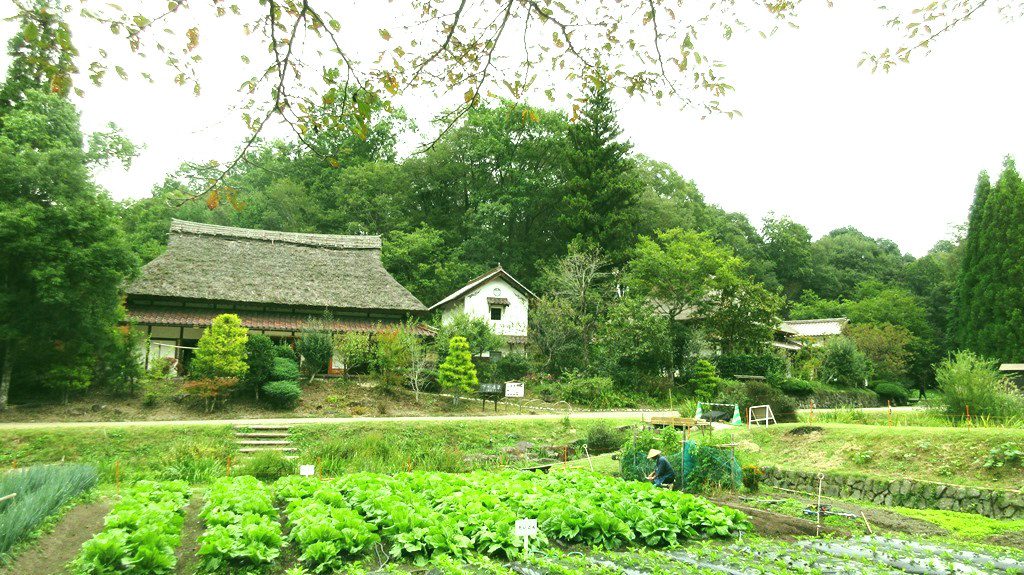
50	554
342	420
879	518
190	532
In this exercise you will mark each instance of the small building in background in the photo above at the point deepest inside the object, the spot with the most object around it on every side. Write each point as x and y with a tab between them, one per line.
812	332
497	297
1014	372
274	281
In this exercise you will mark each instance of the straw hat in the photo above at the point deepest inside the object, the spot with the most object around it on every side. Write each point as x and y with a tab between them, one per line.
653	453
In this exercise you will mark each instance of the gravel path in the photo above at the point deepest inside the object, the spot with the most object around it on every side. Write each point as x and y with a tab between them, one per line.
342	420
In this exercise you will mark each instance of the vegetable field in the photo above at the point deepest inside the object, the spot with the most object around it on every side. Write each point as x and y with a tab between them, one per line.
37	493
867	556
419	516
140	533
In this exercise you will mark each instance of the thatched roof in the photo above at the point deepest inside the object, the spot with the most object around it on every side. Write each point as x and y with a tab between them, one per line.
225	264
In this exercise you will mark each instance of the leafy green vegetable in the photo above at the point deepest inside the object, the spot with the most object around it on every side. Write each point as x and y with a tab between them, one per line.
140	533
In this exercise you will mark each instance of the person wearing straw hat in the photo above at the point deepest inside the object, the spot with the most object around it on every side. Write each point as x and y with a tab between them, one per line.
663	473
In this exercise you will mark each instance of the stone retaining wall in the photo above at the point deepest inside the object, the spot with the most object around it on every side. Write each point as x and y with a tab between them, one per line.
904	493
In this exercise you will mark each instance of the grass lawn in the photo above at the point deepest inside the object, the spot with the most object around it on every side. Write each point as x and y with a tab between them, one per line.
200	453
947	455
964	525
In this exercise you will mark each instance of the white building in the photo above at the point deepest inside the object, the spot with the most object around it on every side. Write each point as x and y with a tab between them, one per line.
497	297
812	331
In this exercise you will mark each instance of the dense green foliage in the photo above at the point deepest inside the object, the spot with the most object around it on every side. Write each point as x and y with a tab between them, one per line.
242	532
64	257
456	374
425	515
140	534
971	382
41	490
221	350
990	319
283	394
315	347
843	364
285	369
259	356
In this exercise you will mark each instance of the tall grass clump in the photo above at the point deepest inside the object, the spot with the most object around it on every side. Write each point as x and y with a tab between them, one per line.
41	491
968	380
381	453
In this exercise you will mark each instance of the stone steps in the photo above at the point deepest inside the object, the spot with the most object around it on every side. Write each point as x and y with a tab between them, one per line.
264	435
275	448
256	438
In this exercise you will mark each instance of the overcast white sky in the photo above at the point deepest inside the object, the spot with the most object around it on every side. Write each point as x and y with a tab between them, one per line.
828	144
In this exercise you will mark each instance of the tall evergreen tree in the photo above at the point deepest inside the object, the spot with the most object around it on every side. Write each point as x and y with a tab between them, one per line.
603	184
989	315
64	257
42	55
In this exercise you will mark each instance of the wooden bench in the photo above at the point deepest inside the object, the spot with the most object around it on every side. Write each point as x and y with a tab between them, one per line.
684	423
545	467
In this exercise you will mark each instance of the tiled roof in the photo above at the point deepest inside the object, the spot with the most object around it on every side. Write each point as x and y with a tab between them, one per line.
815	327
256	320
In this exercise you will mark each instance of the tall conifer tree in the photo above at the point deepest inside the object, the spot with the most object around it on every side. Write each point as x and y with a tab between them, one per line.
602	187
989	308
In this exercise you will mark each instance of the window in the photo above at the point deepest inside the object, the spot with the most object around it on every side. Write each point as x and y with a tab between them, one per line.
496	313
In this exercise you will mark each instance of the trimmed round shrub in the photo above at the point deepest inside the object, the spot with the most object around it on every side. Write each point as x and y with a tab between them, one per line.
891	391
603	438
284	370
283	394
284	350
797	387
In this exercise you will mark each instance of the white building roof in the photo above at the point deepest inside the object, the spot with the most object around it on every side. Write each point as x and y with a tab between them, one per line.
482	279
814	327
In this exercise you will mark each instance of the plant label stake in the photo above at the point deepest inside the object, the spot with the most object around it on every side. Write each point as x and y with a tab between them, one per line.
526	528
307	470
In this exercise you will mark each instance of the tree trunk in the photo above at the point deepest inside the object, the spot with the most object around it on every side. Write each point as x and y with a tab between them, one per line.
5	378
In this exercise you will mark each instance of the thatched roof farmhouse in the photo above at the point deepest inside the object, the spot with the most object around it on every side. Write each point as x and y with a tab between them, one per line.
274	281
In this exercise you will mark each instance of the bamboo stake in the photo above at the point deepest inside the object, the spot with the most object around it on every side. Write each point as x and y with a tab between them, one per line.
866	524
817	526
6	497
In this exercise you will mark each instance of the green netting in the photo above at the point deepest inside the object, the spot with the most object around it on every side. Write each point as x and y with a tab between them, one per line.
708	468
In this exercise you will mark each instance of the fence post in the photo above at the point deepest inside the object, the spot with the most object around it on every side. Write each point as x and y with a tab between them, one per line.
968	416
812	412
888	403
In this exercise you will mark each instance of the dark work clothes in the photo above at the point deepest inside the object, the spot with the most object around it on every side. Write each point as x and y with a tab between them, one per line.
663	472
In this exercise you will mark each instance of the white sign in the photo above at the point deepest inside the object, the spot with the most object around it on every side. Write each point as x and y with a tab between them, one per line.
515	389
307	470
526	527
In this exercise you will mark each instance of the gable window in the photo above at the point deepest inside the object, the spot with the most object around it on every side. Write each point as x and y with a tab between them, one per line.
496	312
